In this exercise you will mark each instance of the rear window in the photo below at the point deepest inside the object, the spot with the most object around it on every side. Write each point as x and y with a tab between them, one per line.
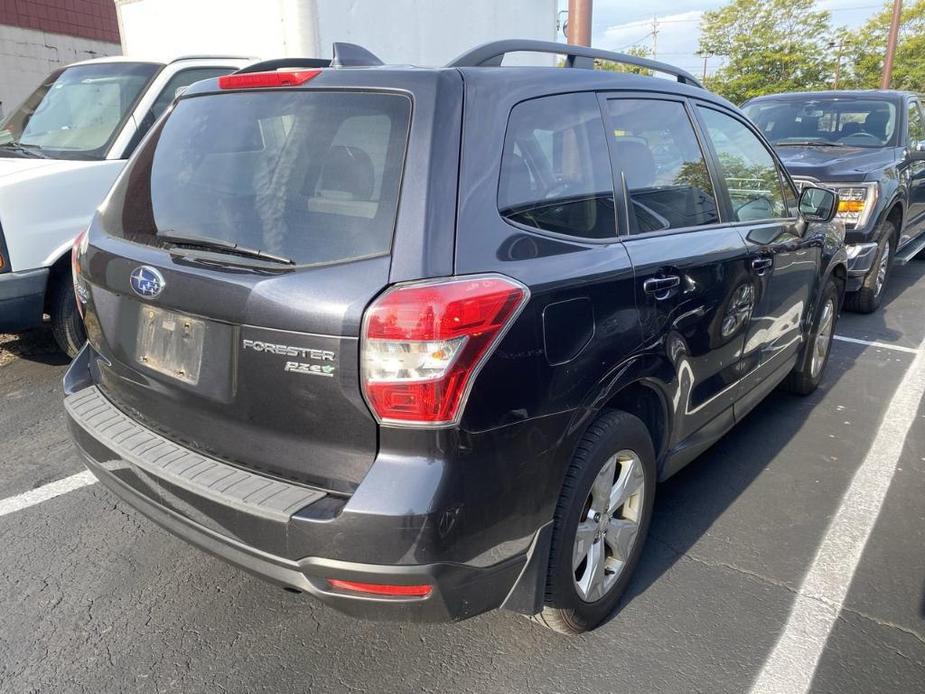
313	176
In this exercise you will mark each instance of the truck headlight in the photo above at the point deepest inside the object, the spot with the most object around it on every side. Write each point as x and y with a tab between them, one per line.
856	202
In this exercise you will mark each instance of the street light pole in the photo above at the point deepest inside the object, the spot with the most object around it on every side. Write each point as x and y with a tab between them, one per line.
891	45
579	22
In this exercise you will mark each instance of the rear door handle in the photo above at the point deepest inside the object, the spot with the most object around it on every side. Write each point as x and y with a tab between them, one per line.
762	265
661	287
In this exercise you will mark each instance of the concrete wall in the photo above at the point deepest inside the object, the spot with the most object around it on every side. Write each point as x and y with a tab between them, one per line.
28	55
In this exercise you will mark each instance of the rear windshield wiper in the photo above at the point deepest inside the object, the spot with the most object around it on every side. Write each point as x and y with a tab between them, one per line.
220	246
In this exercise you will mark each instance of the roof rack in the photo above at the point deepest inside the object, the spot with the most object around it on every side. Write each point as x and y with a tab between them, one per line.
210	56
491	55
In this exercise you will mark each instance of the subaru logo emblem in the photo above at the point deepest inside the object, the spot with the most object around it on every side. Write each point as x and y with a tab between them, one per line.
147	282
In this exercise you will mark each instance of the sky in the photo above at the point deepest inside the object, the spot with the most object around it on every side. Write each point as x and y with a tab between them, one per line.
621	24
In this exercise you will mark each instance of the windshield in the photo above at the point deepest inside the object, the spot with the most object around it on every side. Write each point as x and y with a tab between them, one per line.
846	122
309	176
76	113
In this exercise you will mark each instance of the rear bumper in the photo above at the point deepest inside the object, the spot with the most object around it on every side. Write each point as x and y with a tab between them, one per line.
301	548
22	299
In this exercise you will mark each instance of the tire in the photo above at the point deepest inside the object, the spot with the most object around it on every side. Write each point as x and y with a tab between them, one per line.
620	442
867	299
66	323
808	373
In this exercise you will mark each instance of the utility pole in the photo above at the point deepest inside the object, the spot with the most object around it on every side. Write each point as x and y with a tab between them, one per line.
891	45
837	45
654	37
579	22
704	78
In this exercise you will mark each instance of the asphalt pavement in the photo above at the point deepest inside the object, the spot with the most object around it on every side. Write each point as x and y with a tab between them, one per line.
96	598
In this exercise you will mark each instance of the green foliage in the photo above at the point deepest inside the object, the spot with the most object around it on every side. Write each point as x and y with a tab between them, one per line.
636	52
769	46
773	46
865	49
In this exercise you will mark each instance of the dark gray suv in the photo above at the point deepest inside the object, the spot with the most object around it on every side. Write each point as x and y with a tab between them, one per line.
421	342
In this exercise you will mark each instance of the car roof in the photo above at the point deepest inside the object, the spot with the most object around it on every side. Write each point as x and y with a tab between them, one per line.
127	59
572	80
526	81
887	94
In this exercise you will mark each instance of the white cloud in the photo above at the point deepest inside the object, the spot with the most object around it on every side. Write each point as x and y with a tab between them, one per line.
677	38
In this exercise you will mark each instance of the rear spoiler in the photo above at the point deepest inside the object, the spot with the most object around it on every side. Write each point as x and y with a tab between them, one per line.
345	55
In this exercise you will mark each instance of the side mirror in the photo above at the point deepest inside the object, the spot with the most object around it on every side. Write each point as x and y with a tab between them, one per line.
818	204
917	150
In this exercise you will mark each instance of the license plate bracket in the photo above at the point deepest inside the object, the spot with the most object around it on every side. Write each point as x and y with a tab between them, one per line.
170	343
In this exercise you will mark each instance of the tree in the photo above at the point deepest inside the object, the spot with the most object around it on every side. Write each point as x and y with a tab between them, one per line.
769	45
866	49
636	52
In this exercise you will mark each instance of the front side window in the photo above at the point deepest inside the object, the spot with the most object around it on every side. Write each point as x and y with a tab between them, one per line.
825	122
77	112
916	129
750	172
311	176
663	167
555	171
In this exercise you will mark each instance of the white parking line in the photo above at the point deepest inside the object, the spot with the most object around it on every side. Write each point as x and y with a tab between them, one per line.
792	664
881	345
46	492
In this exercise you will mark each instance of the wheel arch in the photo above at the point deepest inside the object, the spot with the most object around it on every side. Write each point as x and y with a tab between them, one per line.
59	271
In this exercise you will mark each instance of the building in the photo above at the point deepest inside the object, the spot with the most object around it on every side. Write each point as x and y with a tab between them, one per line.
37	36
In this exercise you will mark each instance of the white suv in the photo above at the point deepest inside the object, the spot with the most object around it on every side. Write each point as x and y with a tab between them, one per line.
60	152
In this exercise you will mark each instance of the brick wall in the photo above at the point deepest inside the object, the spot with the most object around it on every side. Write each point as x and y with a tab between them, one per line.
89	19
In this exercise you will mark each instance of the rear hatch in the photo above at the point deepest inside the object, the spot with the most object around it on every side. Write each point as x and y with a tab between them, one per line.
229	269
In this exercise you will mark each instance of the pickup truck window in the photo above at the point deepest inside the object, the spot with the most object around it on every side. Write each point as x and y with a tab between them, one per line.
77	112
825	122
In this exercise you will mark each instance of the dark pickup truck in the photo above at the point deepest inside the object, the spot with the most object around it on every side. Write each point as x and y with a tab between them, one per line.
870	147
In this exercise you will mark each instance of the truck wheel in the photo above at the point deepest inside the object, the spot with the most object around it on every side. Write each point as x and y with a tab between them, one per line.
600	524
807	374
66	323
867	299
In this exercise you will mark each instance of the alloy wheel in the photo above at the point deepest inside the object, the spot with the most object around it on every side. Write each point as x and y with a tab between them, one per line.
823	338
609	526
882	269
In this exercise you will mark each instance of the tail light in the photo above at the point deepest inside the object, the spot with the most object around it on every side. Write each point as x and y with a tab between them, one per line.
81	292
424	343
263	80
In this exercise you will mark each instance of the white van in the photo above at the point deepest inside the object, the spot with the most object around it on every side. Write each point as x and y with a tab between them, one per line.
60	152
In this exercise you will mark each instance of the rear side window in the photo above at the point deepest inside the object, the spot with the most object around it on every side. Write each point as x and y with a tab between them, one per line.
313	176
662	164
750	172
555	171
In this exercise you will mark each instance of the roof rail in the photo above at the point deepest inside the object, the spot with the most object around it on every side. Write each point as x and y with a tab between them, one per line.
210	56
491	55
278	63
